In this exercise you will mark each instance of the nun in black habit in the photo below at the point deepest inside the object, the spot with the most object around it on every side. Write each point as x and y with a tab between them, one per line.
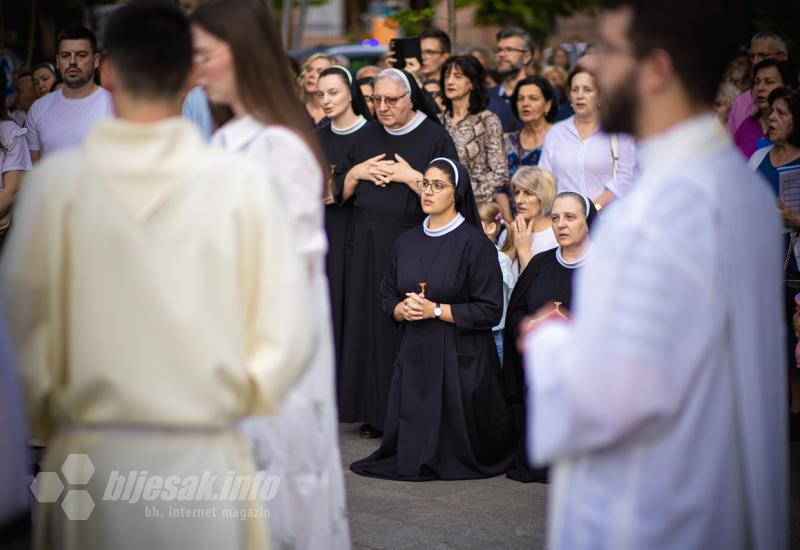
547	279
446	417
380	175
344	104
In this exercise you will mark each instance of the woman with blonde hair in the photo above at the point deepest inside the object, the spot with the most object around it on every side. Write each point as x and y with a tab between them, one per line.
307	84
534	189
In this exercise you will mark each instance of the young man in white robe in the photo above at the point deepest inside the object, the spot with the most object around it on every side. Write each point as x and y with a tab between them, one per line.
661	405
154	298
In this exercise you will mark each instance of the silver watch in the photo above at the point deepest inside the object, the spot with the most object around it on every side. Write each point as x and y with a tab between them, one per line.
437	311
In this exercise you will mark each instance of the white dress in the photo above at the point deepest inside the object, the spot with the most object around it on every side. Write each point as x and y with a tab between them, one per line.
662	405
301	443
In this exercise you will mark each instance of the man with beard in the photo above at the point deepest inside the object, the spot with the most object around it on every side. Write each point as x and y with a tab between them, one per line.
62	119
661	404
514	52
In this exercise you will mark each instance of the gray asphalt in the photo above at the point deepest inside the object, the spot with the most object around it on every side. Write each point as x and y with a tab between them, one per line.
480	514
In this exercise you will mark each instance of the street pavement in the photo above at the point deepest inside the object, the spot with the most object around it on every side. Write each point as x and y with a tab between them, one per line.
484	514
481	514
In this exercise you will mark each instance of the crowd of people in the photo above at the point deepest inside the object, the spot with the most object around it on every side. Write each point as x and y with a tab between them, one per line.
219	257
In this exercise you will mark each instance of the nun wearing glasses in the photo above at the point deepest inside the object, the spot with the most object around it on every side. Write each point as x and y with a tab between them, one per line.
380	174
446	416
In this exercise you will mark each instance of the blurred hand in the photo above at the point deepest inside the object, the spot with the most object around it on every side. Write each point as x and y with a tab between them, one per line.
548	312
791	219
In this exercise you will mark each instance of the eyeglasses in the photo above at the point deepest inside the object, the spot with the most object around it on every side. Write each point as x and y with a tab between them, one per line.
434	95
509	50
760	56
390	101
436	186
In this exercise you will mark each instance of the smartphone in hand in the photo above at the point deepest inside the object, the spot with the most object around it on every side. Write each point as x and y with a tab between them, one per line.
404	48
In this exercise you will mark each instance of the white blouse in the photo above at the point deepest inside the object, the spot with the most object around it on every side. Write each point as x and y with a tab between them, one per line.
297	173
585	165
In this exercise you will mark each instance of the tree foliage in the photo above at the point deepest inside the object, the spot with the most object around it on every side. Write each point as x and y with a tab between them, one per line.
536	16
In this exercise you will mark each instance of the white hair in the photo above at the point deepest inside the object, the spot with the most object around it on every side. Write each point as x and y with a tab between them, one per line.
729	91
780	43
394	75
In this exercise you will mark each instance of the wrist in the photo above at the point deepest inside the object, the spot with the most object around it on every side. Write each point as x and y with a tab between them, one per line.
427	309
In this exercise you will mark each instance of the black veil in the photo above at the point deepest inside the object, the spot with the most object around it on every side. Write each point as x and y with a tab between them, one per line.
357	100
465	199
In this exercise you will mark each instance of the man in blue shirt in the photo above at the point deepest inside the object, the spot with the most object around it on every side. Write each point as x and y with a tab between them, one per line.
514	51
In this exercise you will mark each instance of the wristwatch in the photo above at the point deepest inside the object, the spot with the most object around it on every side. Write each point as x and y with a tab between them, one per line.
437	311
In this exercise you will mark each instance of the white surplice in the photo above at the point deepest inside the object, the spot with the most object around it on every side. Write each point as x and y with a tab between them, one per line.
152	296
301	444
662	406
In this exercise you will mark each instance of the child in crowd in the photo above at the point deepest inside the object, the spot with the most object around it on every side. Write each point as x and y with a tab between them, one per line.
492	223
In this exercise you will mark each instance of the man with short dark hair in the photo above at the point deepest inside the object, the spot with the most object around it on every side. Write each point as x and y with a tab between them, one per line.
514	52
63	118
436	48
661	405
763	45
154	297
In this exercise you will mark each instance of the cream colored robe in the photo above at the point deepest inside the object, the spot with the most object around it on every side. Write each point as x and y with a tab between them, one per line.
149	283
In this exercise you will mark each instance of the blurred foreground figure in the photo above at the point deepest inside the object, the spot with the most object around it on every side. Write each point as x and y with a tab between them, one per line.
241	64
662	405
153	298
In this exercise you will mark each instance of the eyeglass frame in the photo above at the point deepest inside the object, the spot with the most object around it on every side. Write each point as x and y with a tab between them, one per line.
508	49
391	102
423	184
751	55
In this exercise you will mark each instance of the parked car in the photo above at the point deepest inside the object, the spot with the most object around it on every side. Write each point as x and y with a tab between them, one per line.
366	52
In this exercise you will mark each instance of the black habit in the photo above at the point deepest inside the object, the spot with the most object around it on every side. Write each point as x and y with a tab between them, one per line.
544	280
380	215
339	229
446	418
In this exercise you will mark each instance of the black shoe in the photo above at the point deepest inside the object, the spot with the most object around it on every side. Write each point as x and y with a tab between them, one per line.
369	432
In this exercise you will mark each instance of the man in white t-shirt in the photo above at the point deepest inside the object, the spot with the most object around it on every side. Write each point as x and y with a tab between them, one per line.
62	119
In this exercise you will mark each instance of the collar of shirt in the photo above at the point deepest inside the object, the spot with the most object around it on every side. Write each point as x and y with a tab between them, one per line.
570	122
410	127
695	136
447	119
238	132
356	126
452	225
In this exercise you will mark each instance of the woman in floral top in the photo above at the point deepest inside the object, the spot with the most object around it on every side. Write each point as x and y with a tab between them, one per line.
535	104
476	131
